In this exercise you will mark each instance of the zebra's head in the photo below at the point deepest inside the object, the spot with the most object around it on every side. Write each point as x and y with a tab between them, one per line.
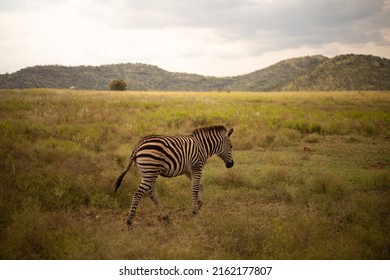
225	150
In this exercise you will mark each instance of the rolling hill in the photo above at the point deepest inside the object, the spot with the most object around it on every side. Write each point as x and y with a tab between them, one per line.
276	76
344	72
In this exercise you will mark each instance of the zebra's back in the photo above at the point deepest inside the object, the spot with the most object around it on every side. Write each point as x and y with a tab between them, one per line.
168	156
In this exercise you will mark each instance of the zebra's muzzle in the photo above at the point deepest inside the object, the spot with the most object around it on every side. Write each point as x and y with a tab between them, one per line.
229	164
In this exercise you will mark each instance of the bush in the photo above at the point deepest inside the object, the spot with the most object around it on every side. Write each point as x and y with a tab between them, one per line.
118	85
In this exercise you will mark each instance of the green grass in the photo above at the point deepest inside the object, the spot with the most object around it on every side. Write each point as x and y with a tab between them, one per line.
311	177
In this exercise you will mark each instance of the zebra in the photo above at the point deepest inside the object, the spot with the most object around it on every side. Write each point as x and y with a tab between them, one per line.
171	156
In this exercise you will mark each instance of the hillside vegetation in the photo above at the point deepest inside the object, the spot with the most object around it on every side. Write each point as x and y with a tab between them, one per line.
345	72
358	72
273	78
311	176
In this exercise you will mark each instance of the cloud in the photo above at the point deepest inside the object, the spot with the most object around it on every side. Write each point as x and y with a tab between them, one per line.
207	37
262	25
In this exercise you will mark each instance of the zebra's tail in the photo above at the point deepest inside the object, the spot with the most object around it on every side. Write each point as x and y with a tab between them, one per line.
120	178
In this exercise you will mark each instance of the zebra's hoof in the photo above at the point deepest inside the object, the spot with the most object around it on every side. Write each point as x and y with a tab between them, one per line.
129	223
165	218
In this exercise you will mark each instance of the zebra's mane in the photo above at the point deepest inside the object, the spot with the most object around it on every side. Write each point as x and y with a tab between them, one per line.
207	130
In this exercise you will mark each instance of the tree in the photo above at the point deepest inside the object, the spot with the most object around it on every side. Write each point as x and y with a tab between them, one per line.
118	85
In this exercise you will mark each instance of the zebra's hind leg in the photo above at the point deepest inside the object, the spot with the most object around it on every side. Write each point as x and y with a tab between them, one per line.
144	187
155	198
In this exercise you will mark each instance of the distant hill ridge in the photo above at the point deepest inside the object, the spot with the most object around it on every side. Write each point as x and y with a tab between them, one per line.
343	72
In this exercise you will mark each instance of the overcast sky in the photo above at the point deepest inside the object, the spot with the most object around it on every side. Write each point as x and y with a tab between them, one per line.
208	37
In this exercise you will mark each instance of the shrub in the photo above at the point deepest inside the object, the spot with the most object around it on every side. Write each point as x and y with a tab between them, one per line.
118	85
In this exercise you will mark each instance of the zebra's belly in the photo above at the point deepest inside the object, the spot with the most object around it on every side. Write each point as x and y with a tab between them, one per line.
146	165
171	173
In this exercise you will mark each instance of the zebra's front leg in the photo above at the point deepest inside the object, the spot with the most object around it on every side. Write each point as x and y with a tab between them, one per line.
196	194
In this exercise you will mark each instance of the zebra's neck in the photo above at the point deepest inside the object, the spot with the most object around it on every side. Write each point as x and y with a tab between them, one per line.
210	142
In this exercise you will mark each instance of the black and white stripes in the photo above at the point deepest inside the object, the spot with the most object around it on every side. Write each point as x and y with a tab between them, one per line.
172	156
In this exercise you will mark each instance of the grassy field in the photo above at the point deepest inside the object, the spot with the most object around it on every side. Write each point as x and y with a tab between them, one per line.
311	177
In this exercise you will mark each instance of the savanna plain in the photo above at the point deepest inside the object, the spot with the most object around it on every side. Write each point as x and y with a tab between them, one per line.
311	177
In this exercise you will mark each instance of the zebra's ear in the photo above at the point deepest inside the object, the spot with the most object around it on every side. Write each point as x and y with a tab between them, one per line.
230	132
